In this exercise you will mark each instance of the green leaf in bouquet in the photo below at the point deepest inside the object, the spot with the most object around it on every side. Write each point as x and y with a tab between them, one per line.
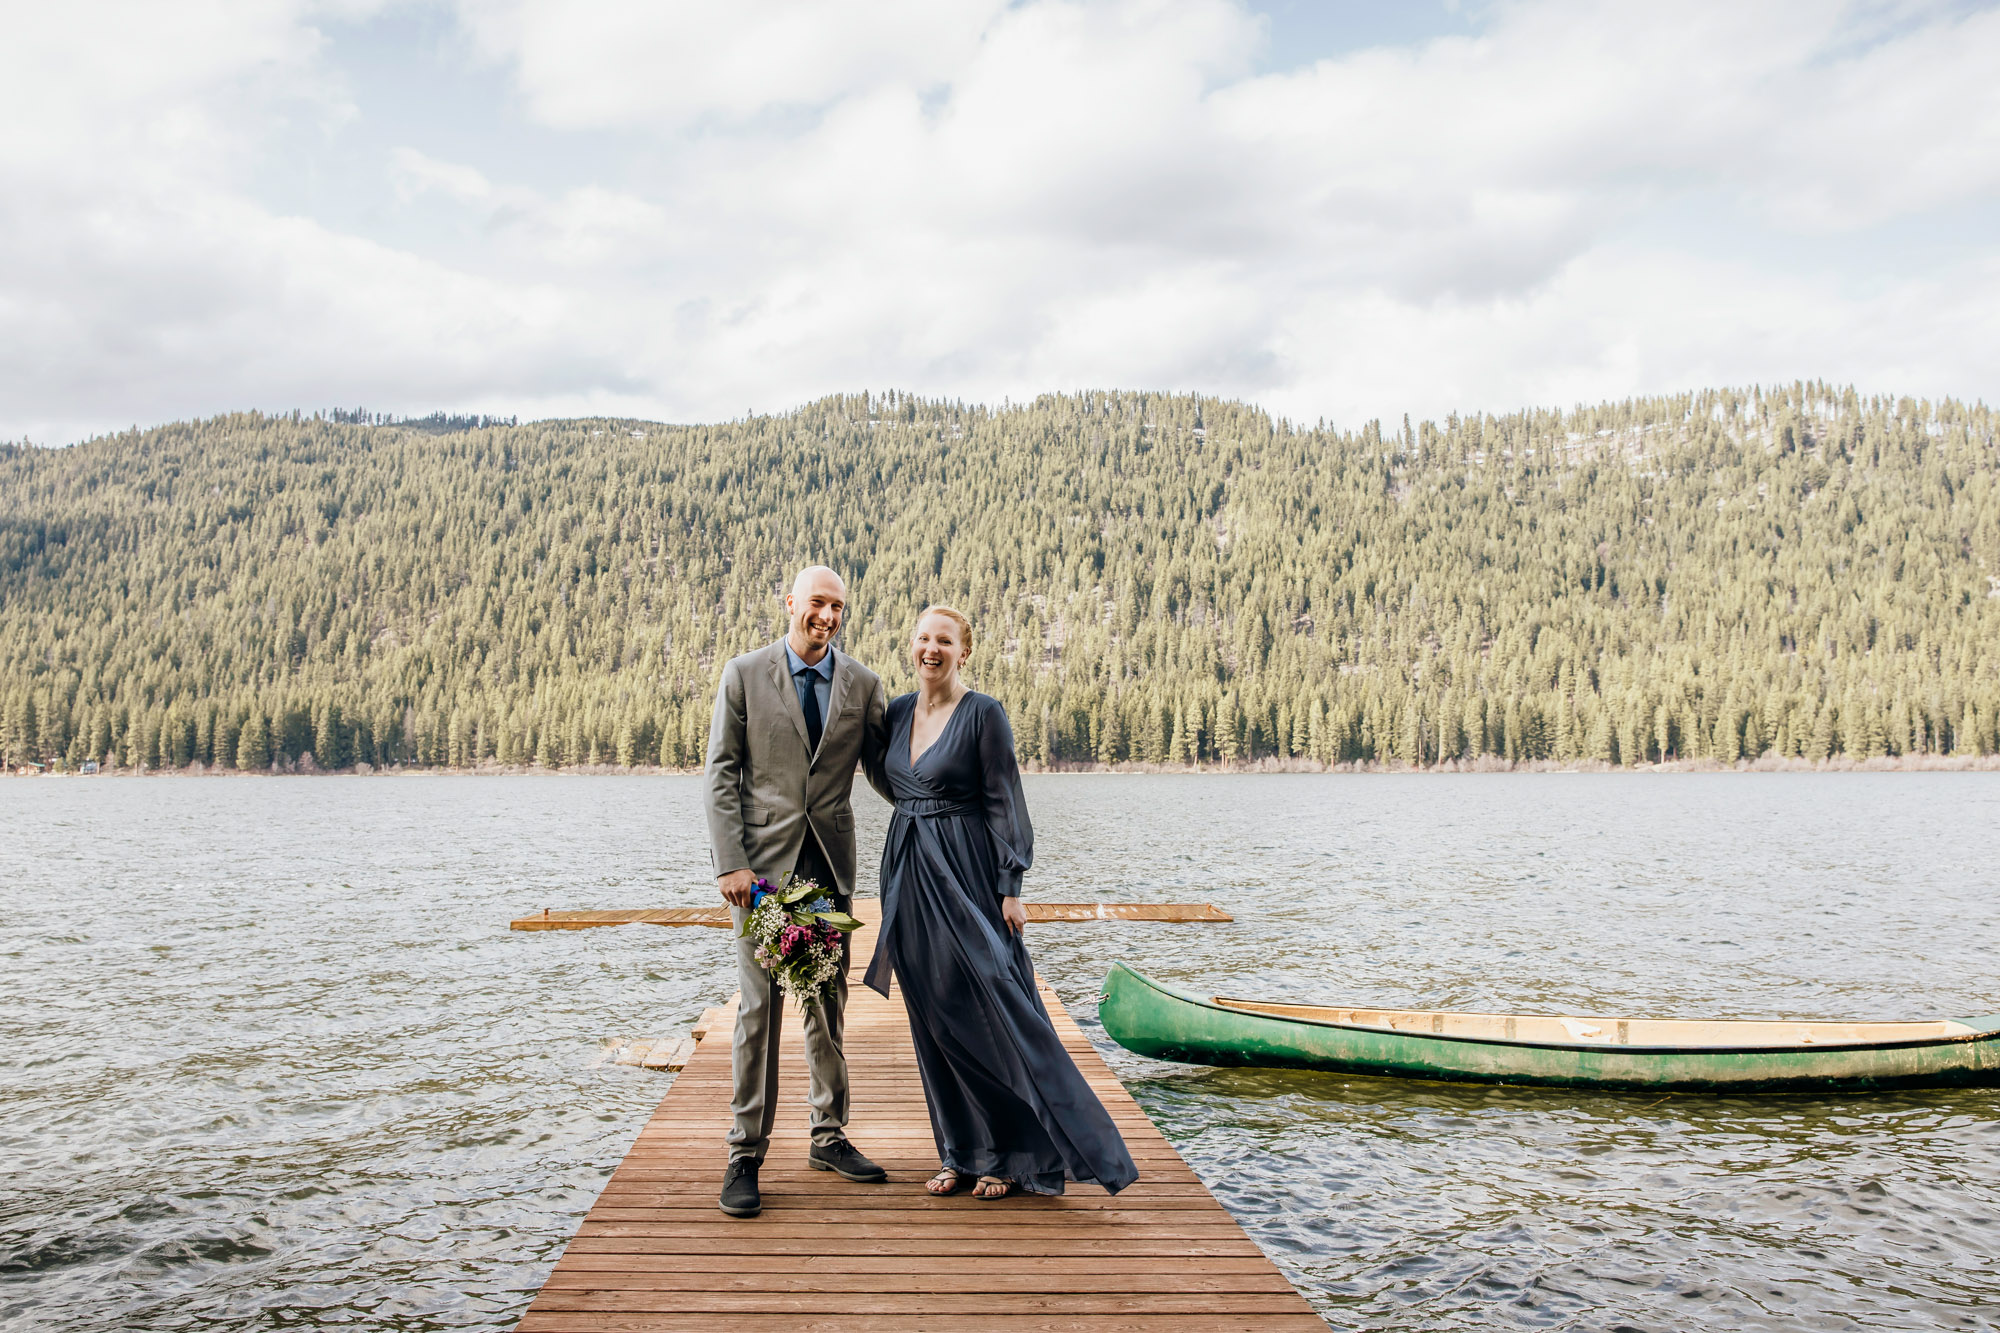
838	920
797	889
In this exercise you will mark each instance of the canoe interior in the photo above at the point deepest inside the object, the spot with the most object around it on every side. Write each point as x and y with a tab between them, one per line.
1549	1030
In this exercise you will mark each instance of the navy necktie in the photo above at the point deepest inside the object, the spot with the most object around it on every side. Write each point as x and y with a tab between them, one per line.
809	701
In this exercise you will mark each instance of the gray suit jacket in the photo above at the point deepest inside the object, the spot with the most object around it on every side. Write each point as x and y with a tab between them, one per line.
765	788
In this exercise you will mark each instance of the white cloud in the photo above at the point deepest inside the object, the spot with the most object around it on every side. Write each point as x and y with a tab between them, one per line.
983	199
136	311
138	282
415	173
144	82
666	62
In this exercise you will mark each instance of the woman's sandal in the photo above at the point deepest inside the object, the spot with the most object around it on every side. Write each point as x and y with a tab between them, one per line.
982	1190
952	1180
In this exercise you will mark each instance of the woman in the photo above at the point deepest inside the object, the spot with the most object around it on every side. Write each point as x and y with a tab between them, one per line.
1008	1108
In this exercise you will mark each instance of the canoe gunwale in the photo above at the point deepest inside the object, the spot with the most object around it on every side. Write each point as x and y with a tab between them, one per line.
1228	1005
1949	1039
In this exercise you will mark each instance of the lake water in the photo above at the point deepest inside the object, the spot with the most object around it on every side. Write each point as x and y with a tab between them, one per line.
272	1058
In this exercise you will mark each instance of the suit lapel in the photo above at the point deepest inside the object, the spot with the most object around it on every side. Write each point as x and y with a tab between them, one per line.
781	679
842	673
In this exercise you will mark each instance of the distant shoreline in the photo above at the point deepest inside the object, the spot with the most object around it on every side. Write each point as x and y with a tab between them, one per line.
1925	763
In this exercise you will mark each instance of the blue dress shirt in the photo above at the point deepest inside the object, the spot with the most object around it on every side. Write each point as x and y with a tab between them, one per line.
821	677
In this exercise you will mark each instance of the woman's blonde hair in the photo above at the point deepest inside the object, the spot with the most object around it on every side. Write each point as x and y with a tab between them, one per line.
951	613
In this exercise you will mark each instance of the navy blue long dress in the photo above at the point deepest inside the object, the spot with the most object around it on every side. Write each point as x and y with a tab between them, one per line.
1005	1098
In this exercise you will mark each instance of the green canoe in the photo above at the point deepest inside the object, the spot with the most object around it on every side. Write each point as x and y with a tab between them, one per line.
1636	1053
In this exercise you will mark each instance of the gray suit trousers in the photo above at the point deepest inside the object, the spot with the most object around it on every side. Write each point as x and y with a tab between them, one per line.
754	1053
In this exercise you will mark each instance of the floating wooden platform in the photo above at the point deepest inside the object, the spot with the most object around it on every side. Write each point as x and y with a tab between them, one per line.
655	1254
550	919
664	1052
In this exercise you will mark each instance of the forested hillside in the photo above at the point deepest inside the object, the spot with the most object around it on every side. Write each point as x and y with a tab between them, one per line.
1159	579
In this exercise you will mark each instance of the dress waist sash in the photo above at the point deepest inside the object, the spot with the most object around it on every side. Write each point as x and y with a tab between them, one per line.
931	807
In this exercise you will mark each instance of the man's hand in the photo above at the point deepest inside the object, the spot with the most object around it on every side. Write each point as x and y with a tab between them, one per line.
738	887
1015	915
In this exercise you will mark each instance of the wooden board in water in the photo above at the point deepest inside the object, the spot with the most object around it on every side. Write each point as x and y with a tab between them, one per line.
552	919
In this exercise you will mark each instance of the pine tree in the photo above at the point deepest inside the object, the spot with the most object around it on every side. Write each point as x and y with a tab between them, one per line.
253	743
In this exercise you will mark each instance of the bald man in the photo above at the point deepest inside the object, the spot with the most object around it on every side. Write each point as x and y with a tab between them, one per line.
792	720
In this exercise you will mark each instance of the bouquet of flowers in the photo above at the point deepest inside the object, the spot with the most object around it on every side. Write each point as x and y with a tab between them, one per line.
798	930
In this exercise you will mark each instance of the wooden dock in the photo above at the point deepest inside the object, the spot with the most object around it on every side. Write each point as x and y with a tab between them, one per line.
656	1254
571	919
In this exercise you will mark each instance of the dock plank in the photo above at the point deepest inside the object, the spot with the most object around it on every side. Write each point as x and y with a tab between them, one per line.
655	1255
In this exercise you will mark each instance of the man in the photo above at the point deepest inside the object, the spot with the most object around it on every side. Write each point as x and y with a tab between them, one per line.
791	721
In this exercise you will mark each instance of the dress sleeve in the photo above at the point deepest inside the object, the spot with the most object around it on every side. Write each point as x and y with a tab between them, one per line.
875	742
1005	803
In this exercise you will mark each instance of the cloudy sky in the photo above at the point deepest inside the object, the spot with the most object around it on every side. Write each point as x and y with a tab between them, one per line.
692	211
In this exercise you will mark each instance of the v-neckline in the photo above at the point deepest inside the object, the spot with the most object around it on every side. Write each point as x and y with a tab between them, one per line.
950	718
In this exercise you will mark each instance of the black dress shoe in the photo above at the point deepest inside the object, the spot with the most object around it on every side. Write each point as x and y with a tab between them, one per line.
845	1161
739	1189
